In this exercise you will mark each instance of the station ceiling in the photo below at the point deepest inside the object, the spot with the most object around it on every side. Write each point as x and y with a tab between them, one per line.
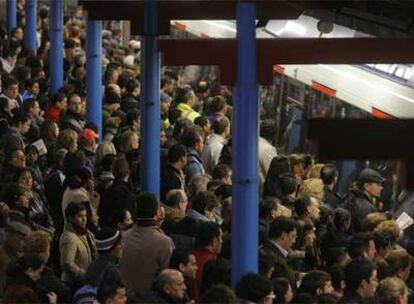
385	18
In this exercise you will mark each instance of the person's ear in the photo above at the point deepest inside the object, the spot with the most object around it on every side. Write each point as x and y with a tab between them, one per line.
364	284
319	291
181	267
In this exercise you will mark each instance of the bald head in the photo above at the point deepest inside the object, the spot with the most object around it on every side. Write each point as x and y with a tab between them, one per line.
112	87
171	281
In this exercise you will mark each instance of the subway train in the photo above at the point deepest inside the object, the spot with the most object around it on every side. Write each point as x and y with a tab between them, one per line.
301	92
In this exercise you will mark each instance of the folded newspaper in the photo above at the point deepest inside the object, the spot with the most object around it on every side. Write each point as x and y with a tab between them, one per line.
404	221
40	146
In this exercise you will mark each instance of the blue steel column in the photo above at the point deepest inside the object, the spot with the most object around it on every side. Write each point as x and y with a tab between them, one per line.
245	145
56	45
30	27
94	73
150	107
11	15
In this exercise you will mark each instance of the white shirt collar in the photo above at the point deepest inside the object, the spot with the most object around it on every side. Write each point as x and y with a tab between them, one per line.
282	250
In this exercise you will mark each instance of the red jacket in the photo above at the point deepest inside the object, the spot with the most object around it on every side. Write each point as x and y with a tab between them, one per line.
53	114
16	293
202	256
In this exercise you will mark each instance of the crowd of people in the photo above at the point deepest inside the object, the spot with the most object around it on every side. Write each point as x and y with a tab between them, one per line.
75	226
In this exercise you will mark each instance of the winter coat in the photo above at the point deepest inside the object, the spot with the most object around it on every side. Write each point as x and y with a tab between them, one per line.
194	165
359	205
160	297
331	198
147	251
72	121
283	267
53	114
39	212
54	194
103	263
333	238
264	226
202	256
21	289
49	282
188	112
118	196
7	256
76	253
13	140
171	179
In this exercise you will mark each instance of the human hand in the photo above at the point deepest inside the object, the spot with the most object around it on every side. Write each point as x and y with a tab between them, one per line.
52	298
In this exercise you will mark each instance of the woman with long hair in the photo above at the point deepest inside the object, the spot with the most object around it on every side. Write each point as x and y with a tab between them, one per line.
278	166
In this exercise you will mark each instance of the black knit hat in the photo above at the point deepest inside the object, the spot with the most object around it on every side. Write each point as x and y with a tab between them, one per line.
107	238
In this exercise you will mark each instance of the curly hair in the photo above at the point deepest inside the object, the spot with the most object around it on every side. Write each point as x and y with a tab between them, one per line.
313	187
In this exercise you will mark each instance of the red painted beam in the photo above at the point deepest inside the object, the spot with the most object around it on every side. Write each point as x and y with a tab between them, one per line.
223	52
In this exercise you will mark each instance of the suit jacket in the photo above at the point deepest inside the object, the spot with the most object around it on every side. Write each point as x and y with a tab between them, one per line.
282	266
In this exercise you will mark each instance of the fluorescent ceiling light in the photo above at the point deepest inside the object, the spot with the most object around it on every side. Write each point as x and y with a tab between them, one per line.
292	27
220	25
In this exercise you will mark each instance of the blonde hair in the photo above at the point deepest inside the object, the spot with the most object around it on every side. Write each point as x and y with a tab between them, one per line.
104	148
372	220
393	263
390	290
388	230
66	139
313	187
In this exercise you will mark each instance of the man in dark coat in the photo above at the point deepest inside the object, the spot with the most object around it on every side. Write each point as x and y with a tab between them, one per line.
119	195
169	288
282	236
185	230
72	119
15	138
173	175
329	176
193	140
106	267
268	212
360	203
